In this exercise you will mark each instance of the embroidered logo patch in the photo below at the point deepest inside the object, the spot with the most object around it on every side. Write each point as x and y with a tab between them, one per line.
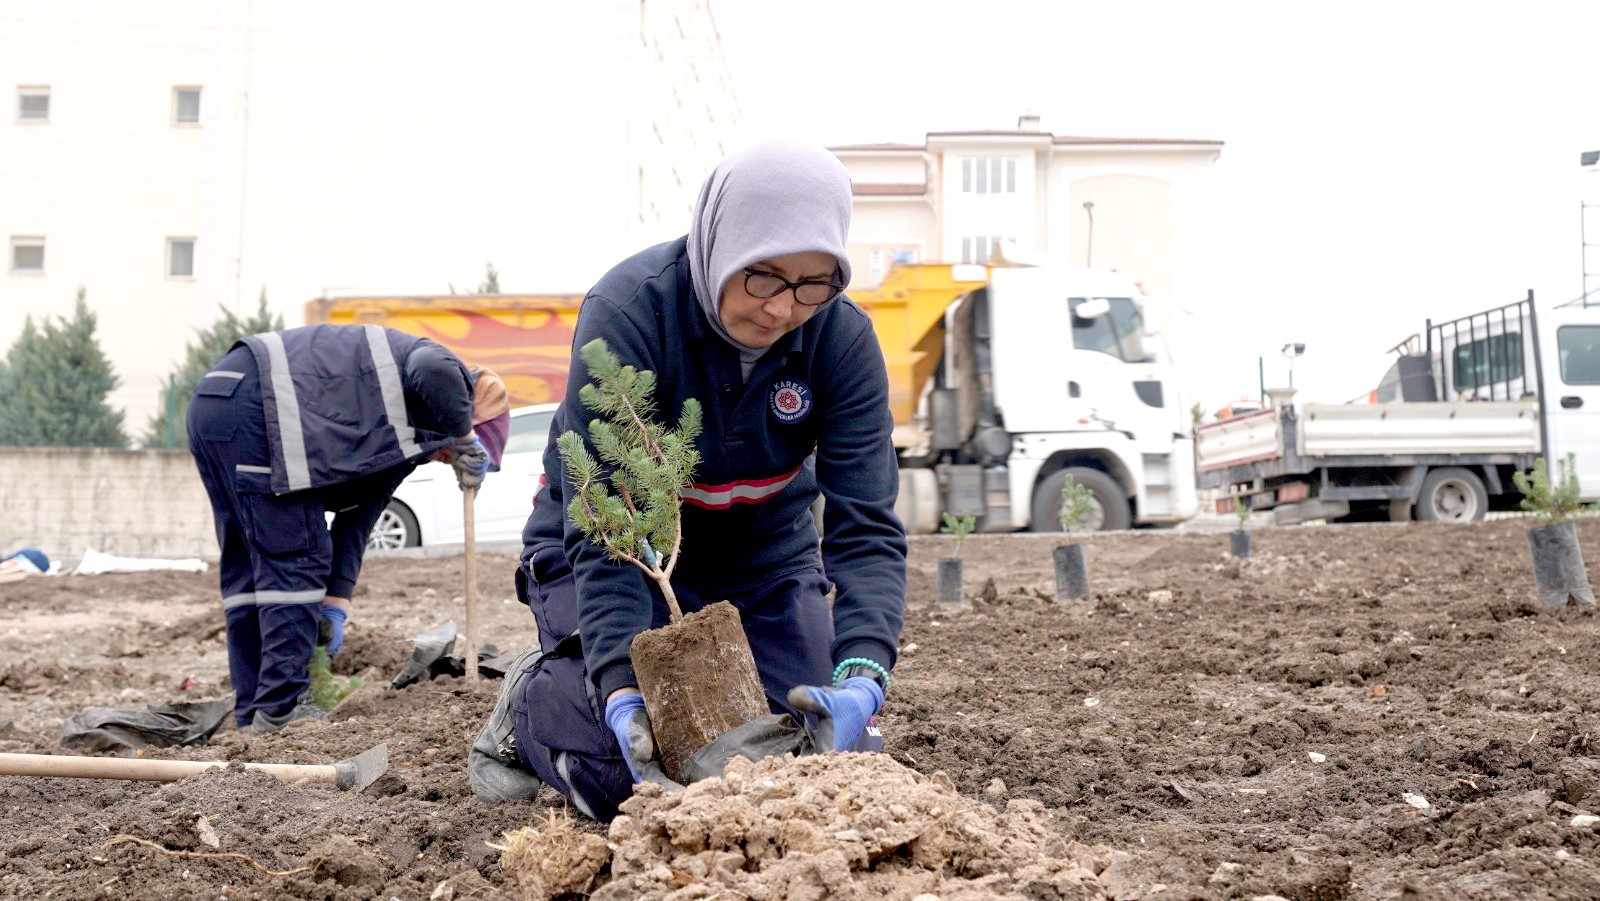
791	400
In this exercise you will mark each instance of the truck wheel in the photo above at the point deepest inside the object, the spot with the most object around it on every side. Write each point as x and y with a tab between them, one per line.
396	528
1110	512
1452	494
1400	510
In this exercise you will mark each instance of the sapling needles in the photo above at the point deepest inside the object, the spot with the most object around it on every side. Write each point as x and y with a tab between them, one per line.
629	500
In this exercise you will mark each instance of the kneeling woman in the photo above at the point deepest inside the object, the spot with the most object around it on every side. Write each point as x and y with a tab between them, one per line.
746	315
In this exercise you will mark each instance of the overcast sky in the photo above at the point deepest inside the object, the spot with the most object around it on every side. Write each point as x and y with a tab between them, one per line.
1384	162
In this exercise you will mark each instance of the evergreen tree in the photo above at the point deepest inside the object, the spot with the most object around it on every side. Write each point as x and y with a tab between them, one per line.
635	517
490	283
56	382
167	428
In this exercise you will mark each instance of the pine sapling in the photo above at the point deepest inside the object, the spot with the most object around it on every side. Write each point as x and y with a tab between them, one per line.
960	528
327	690
1241	509
1551	504
628	501
1077	505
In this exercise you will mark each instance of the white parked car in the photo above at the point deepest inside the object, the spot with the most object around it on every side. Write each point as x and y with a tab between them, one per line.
426	509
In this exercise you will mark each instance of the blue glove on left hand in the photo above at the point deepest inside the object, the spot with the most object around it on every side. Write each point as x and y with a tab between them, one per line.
330	628
842	712
471	461
629	722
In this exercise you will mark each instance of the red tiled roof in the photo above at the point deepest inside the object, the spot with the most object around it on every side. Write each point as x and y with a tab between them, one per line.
855	147
1055	139
1070	139
993	131
889	190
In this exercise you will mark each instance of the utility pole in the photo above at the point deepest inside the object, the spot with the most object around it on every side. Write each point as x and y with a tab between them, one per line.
1291	351
1088	254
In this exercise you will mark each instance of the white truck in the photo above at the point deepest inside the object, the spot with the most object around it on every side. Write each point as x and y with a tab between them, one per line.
1476	400
1047	373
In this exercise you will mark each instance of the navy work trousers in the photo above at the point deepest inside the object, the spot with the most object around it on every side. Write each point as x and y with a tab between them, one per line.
276	549
560	726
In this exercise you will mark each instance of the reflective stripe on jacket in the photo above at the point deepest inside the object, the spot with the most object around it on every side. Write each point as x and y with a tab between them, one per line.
335	403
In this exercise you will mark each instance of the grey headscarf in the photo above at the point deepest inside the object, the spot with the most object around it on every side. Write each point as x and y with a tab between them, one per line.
769	200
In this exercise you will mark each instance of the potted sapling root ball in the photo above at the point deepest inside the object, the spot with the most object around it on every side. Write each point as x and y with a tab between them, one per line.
1558	572
1072	572
950	567
1239	539
697	674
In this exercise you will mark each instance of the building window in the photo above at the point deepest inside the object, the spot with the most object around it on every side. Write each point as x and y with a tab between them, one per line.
989	175
27	256
1579	347
180	258
978	248
884	259
1488	361
185	106
33	104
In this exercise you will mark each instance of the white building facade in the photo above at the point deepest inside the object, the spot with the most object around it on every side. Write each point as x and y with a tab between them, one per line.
1113	203
179	157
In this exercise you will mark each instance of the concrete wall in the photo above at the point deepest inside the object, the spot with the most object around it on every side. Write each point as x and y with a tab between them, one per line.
129	503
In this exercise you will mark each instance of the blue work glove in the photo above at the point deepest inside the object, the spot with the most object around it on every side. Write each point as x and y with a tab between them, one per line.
626	716
842	712
471	462
330	628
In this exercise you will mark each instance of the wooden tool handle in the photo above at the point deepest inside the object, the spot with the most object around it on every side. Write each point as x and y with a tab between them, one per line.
56	766
469	551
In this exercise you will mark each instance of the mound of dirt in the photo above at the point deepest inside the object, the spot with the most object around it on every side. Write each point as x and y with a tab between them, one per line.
840	826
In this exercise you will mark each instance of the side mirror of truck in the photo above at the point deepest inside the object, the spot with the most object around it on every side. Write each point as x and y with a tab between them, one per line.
1092	308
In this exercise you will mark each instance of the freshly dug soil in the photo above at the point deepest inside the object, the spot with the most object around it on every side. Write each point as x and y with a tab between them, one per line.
1212	727
848	826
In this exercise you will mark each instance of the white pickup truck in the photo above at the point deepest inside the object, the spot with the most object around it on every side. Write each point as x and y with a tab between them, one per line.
1483	397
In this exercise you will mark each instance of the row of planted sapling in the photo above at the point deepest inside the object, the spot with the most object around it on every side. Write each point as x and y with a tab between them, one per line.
1239	539
1071	569
1070	565
1558	572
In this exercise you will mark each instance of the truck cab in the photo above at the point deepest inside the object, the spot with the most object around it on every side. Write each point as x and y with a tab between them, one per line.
1048	374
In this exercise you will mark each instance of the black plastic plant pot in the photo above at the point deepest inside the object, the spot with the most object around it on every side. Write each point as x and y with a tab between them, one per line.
1239	543
1072	573
950	580
1558	571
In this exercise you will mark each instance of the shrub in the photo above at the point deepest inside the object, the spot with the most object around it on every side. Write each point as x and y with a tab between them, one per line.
1077	504
1556	503
960	528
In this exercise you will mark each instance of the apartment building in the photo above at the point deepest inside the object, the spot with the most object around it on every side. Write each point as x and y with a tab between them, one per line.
1116	203
179	157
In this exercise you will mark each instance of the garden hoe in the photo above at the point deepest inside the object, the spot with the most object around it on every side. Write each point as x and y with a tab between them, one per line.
353	774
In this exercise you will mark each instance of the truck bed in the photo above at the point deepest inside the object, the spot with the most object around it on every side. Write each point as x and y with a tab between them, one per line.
1279	442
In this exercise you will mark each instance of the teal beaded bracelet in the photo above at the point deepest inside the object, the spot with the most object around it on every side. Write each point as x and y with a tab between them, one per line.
838	671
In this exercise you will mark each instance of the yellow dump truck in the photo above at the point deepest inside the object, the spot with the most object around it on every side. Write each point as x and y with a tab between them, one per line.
1002	381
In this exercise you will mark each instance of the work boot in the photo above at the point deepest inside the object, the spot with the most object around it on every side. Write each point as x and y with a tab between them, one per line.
304	709
494	770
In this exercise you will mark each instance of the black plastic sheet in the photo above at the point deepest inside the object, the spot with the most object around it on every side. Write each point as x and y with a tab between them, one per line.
116	729
433	654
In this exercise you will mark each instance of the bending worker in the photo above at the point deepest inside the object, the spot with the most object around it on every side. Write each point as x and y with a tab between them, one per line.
745	314
294	424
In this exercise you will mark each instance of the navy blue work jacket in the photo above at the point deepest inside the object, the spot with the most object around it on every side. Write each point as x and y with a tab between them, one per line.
813	416
343	401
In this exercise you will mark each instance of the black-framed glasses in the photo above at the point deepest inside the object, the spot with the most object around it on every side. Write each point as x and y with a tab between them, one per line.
758	283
